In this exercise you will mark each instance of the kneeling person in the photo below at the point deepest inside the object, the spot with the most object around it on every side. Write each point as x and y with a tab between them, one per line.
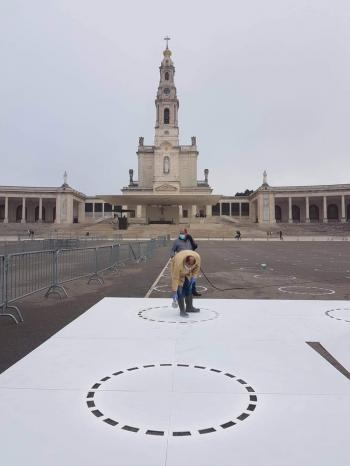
185	268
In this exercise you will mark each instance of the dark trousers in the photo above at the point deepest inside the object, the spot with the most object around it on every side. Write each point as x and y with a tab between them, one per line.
185	289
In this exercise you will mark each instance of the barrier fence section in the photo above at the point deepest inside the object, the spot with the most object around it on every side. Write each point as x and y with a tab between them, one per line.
2	281
26	273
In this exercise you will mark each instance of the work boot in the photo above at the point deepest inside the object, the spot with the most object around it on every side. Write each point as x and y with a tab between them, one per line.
195	292
181	302
189	304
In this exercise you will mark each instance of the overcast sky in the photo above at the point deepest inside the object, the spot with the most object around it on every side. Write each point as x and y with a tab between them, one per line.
262	84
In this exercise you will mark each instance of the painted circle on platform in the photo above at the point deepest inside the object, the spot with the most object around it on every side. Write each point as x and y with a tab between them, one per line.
139	399
167	288
255	269
275	277
341	313
170	315
305	290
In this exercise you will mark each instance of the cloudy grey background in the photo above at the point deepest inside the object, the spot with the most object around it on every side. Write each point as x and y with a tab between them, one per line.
262	84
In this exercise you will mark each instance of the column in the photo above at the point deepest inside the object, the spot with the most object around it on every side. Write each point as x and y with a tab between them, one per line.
139	211
307	210
70	209
103	210
208	210
58	209
180	212
272	209
93	209
124	214
81	212
194	210
220	208
290	211
40	219
6	218
252	211
23	210
325	219
240	209
343	213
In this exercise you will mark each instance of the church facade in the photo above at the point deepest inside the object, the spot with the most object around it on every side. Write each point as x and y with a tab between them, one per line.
168	189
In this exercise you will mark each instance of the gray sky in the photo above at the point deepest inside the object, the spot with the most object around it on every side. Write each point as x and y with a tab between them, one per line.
262	84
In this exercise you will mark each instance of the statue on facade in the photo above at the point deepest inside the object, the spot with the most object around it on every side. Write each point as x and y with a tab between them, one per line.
166	165
265	177
206	173
65	179
141	139
193	140
131	175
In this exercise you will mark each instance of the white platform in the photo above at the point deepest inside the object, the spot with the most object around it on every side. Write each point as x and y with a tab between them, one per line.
287	405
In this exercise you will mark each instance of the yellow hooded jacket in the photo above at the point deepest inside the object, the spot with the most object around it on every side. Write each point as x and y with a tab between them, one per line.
178	270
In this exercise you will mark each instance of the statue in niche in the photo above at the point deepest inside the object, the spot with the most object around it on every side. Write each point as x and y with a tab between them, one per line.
193	140
166	165
131	175
141	139
206	173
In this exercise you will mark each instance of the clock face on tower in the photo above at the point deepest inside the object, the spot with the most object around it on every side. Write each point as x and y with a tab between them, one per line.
166	91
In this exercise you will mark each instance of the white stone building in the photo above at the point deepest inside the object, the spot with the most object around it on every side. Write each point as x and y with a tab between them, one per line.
20	204
167	189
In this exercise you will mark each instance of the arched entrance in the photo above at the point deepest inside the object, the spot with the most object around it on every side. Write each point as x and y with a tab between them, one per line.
278	213
332	212
296	213
314	213
37	213
2	212
19	213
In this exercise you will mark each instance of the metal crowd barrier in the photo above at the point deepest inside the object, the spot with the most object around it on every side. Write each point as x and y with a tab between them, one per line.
26	273
2	282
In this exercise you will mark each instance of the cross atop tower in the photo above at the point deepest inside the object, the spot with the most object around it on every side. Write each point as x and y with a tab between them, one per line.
167	38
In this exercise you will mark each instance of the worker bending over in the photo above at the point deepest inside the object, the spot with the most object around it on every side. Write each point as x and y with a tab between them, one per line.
185	267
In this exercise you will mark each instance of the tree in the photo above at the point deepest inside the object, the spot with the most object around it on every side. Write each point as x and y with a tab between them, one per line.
247	192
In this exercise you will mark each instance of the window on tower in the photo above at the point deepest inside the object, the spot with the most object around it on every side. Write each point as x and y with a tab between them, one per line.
166	76
166	116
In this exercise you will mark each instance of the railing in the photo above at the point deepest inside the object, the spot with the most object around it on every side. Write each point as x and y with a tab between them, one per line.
29	245
2	281
23	274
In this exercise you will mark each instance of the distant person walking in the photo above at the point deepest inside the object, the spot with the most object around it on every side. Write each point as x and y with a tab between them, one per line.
281	235
238	235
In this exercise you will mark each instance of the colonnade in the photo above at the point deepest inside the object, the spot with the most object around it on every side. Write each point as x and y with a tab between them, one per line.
312	208
19	212
45	208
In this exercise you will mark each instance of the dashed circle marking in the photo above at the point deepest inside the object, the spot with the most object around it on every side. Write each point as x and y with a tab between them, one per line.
336	313
275	277
167	288
172	316
305	290
250	408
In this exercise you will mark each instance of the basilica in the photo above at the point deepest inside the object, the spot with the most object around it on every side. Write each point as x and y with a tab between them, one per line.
167	188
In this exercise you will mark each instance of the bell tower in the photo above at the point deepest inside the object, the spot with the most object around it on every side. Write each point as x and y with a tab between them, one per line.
167	104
